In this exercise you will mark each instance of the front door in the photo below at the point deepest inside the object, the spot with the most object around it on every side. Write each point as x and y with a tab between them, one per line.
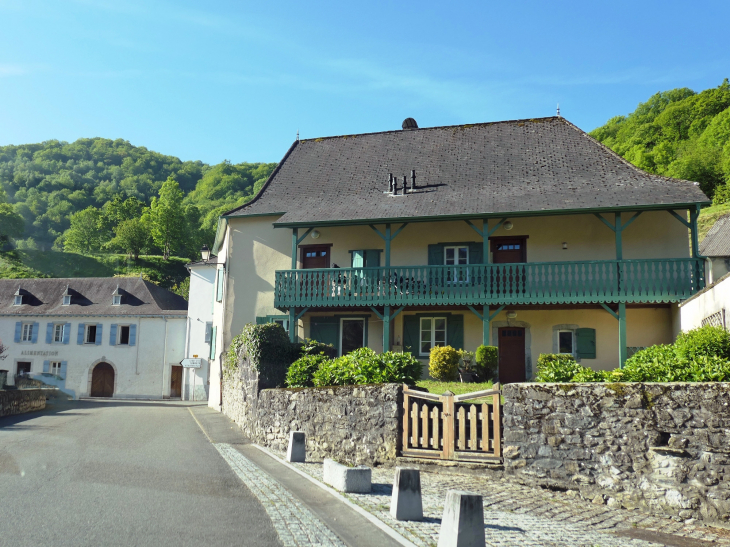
509	250
176	381
352	335
102	381
316	256
511	355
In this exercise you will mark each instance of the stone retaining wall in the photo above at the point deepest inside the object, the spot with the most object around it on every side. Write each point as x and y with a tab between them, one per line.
661	447
351	424
18	401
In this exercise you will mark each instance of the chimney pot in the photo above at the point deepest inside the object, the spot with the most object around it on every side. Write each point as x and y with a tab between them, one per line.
413	179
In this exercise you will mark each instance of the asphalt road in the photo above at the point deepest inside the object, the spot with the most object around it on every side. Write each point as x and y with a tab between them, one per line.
121	473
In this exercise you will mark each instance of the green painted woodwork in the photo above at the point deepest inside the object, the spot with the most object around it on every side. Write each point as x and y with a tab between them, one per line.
292	325
586	343
411	334
613	281
693	214
485	317
388	237
294	243
622	349
618	230
325	330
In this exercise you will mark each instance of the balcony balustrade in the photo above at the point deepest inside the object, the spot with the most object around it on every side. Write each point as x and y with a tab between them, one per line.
607	281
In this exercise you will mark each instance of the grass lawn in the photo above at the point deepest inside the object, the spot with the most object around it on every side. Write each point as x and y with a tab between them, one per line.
709	216
457	388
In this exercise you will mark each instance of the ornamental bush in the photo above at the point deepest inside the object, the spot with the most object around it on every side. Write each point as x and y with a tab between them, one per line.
301	372
555	367
653	364
705	341
364	366
313	347
487	360
443	363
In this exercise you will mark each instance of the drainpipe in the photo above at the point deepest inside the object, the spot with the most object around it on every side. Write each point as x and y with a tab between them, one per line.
136	342
164	361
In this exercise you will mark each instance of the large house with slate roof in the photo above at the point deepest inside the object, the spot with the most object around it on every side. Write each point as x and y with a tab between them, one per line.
528	234
94	337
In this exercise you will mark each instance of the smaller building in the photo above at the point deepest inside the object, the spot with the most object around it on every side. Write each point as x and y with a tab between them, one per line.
200	344
95	337
716	249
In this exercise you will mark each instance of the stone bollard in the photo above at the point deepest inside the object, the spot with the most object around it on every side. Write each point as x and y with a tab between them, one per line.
355	480
297	447
463	522
406	503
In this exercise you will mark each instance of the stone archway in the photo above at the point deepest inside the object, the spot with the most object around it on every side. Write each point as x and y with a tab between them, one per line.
102	380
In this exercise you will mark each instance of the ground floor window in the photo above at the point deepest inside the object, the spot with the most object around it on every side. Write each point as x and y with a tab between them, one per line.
91	334
352	335
23	368
565	341
433	333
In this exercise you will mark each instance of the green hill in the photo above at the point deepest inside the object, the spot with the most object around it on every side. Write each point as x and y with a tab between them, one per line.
680	134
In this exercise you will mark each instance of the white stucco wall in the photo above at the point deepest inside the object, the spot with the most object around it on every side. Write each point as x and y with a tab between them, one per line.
200	314
141	371
714	299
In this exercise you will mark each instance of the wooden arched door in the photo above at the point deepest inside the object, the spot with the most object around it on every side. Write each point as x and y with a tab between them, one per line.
102	381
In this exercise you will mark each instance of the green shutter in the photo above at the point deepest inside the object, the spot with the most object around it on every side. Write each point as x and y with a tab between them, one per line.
262	320
455	331
212	342
475	253
411	334
436	254
219	286
372	258
325	330
586	343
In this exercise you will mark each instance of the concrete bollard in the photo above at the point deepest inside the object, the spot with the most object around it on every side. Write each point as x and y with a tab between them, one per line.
406	503
355	480
463	522
297	447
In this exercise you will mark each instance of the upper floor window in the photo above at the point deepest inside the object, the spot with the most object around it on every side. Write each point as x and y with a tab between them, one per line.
58	329
116	300
18	300
90	337
27	333
432	333
124	335
66	299
457	256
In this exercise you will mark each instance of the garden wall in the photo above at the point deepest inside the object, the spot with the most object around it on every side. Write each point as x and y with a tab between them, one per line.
352	424
661	447
18	401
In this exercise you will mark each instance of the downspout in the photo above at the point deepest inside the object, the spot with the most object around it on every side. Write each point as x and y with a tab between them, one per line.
139	332
164	361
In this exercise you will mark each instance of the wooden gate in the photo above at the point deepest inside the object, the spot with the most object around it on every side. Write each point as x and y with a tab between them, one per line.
447	427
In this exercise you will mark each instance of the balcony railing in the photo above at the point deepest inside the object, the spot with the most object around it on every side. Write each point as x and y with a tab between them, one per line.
654	280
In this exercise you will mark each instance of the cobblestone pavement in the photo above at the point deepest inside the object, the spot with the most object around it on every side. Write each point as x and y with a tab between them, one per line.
295	524
519	515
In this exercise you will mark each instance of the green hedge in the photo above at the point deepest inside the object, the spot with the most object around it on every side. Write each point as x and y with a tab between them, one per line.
700	355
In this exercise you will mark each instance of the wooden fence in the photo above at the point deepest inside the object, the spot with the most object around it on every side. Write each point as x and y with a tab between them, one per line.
446	427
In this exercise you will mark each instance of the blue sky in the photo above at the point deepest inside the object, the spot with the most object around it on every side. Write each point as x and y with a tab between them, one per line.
235	80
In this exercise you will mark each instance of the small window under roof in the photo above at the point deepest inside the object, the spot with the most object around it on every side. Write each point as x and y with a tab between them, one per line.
117	297
18	300
66	297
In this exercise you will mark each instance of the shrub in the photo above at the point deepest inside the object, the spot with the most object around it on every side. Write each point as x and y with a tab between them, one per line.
487	360
554	367
301	372
268	349
443	363
364	366
313	347
589	375
706	341
400	368
653	364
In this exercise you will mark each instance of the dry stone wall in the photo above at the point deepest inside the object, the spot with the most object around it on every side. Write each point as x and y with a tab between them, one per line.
18	401
350	424
661	447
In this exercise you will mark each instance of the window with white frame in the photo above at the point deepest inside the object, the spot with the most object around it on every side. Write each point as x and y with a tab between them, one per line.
55	367
26	334
433	333
90	337
66	299
18	300
566	340
58	329
123	335
116	300
457	256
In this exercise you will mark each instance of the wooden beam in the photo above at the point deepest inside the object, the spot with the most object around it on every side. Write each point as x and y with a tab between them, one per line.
680	219
299	240
607	223
294	243
609	310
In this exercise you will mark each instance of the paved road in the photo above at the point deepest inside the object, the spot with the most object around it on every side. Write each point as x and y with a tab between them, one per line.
121	473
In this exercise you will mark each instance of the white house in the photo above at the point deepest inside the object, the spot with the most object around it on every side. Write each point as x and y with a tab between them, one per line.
95	337
199	344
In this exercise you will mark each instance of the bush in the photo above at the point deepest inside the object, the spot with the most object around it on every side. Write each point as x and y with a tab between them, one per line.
313	347
301	372
653	364
364	366
554	367
268	349
443	363
487	360
706	341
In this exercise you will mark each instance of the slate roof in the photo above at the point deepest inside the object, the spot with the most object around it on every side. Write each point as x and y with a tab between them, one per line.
717	240
89	296
531	166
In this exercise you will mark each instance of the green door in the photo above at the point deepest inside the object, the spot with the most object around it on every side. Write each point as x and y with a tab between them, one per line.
325	330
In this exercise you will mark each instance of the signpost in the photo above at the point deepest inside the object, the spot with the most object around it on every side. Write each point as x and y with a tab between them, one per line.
191	363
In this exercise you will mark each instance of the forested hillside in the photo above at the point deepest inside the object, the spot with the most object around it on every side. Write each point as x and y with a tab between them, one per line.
98	195
680	134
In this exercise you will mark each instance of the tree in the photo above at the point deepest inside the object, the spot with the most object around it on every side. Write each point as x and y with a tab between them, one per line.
11	224
167	219
131	237
85	233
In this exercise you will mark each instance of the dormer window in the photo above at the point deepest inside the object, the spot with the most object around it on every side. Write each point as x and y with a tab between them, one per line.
18	300
116	297
66	299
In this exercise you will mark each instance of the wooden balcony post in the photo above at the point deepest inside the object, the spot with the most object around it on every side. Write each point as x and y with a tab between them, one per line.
485	242
619	245
292	323
485	325
387	245
693	214
622	350
386	329
294	243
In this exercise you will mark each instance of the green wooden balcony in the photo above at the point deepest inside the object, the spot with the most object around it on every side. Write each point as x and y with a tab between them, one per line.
655	280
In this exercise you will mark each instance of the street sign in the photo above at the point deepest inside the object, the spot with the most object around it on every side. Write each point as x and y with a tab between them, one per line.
191	363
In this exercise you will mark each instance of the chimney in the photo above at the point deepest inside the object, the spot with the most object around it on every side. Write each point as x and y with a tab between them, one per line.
405	185
413	179
390	182
395	186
